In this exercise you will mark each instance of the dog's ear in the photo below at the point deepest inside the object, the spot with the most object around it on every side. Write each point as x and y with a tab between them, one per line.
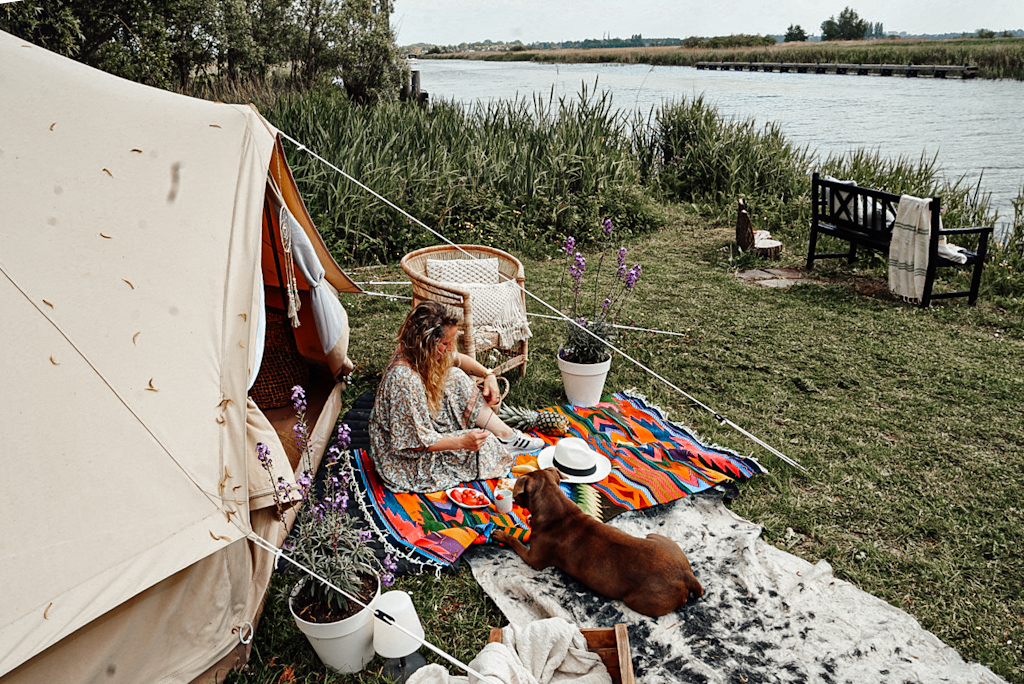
524	485
522	498
559	475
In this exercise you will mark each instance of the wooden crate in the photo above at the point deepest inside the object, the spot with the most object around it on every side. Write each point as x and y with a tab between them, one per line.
611	643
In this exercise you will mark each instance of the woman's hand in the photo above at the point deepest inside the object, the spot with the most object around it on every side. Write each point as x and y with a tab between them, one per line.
492	395
474	439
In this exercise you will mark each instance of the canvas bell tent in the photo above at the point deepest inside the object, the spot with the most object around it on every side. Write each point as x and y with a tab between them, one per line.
144	289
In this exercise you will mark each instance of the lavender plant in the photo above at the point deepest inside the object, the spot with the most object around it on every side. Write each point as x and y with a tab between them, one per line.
325	538
595	316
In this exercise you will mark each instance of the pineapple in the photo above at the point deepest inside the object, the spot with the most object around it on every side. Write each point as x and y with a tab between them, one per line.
548	422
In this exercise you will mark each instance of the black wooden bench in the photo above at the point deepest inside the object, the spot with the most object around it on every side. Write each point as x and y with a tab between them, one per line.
864	217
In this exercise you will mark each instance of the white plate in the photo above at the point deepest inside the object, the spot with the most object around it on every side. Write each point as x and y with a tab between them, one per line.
466	489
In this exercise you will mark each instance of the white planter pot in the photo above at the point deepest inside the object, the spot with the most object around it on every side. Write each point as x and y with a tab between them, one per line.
345	645
583	382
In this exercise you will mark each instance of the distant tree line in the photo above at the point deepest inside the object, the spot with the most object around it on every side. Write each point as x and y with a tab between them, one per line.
182	43
738	40
849	26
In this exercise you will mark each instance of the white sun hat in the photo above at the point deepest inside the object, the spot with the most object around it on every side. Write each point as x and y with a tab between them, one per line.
575	460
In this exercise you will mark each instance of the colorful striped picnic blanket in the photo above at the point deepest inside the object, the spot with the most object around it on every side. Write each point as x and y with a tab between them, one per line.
654	461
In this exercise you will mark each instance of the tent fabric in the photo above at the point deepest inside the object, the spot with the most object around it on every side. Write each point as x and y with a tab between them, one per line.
130	259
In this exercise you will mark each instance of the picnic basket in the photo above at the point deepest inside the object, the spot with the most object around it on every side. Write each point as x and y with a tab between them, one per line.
611	643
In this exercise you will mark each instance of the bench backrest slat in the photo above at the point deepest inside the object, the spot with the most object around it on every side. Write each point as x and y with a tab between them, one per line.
854	208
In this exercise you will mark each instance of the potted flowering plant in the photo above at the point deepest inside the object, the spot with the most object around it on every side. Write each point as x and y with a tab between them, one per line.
583	357
328	541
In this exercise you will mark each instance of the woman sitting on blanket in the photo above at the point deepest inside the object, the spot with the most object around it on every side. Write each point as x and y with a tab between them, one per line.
431	426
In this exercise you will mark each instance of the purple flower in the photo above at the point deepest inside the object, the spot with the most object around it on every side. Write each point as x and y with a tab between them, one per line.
605	304
622	263
263	454
632	277
389	563
388	577
607	226
344	435
570	245
304	480
299	398
579	265
365	535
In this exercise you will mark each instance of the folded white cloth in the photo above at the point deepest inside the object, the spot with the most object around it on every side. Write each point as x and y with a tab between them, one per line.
908	250
952	252
549	651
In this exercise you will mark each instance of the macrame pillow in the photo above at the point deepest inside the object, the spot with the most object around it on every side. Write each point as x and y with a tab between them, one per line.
479	271
500	308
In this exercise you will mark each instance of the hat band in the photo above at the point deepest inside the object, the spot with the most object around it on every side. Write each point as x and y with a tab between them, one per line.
575	472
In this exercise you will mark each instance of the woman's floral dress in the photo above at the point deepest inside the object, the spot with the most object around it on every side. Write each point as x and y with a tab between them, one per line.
402	427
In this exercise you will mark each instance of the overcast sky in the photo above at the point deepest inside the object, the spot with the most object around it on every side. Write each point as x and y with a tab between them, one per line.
450	22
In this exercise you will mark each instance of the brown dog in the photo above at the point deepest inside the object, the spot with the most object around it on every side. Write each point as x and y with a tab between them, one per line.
652	576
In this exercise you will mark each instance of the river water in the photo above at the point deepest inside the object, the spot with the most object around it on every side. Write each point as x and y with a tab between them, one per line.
975	126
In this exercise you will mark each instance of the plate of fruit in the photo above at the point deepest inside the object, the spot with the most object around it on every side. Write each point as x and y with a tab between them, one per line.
467	497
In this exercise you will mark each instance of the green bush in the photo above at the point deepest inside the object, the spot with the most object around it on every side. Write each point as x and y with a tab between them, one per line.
1004	277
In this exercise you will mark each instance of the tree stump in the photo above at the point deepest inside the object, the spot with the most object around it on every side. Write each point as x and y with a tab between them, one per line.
759	242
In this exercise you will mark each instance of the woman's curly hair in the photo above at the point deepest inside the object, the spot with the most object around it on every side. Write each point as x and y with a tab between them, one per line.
418	338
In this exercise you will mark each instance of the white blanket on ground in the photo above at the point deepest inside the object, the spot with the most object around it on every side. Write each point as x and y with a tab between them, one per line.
551	651
766	615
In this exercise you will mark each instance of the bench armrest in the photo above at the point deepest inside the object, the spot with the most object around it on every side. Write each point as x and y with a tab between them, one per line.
966	231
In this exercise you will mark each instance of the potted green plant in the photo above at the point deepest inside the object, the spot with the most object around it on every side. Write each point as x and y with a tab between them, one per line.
328	541
584	358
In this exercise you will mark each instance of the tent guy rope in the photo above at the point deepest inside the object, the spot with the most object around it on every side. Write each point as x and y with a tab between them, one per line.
557	314
279	554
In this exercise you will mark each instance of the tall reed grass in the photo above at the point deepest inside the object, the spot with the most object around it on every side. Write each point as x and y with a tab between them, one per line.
710	162
995	58
516	173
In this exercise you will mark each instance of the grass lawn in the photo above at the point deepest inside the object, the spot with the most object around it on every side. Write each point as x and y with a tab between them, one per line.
908	422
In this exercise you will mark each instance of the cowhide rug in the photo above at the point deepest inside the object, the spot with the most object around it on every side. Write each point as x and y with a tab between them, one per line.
766	615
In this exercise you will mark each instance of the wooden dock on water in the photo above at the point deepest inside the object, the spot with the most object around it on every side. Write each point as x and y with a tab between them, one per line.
908	70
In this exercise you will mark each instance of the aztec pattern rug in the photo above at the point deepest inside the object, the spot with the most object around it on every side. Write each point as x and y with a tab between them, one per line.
654	461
